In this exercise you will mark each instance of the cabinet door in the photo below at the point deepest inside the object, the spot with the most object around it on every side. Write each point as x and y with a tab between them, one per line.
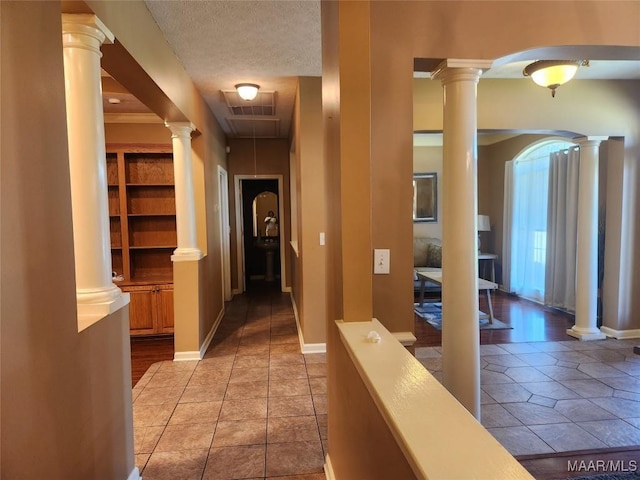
165	309
142	312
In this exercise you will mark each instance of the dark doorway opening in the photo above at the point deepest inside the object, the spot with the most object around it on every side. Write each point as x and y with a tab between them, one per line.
261	237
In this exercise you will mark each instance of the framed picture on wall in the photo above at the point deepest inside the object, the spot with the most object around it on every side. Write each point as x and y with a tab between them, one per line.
425	197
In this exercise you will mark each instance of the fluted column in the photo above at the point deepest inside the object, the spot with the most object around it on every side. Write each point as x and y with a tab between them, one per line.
185	198
586	326
82	36
460	327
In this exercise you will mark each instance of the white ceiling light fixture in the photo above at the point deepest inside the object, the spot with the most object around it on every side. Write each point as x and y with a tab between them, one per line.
247	91
553	73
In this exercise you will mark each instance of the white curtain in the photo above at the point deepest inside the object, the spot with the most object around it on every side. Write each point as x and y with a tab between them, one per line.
562	226
529	226
507	219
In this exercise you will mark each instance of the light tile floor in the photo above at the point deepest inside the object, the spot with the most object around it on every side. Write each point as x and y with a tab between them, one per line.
546	397
253	408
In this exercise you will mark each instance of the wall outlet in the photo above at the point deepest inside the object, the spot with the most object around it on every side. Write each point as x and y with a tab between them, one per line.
381	260
322	238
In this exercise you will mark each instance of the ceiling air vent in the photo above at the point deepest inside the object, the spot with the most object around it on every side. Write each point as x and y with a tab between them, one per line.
263	105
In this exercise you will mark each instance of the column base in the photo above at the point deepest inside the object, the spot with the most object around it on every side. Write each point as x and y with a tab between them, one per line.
618	334
91	312
586	334
186	254
93	296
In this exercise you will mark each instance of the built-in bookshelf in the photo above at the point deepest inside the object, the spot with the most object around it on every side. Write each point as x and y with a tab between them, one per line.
142	220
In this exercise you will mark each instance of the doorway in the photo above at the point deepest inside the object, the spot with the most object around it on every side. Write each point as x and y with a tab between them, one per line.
259	213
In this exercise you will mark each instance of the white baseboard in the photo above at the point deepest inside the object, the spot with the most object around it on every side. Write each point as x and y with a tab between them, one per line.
306	348
314	348
610	332
328	469
199	354
286	289
407	339
187	356
236	291
135	474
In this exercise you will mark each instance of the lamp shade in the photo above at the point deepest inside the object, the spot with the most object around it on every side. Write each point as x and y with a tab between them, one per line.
552	73
484	224
247	91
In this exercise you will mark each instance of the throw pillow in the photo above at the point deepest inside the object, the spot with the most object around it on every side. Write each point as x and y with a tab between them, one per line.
434	256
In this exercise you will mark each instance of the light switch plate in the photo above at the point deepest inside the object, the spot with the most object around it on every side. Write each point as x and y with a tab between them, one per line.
381	260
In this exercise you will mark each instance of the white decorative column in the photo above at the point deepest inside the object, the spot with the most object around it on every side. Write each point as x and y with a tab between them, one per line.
460	322
185	199
97	296
586	326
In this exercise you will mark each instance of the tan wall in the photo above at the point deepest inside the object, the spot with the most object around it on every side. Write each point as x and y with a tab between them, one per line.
311	210
152	133
396	34
272	158
66	396
429	160
141	41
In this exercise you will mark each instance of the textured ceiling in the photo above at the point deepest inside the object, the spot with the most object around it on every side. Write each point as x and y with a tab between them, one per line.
271	42
222	43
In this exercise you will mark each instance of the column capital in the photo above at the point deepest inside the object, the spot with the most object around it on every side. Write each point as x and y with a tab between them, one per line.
589	141
453	69
85	24
180	129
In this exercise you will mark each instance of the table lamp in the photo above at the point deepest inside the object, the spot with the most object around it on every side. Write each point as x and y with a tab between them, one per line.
484	225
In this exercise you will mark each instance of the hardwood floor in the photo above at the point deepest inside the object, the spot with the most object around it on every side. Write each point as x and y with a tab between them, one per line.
531	323
145	351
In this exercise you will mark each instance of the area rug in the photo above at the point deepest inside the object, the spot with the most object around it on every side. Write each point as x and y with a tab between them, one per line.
431	312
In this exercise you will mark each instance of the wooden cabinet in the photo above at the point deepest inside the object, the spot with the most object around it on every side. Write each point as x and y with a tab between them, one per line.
151	309
142	218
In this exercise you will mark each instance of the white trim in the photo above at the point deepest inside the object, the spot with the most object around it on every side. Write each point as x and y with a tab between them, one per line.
187	255
236	291
135	474
237	182
225	232
586	336
305	348
90	313
424	419
407	339
286	290
209	338
295	315
314	348
187	356
199	354
618	334
328	469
